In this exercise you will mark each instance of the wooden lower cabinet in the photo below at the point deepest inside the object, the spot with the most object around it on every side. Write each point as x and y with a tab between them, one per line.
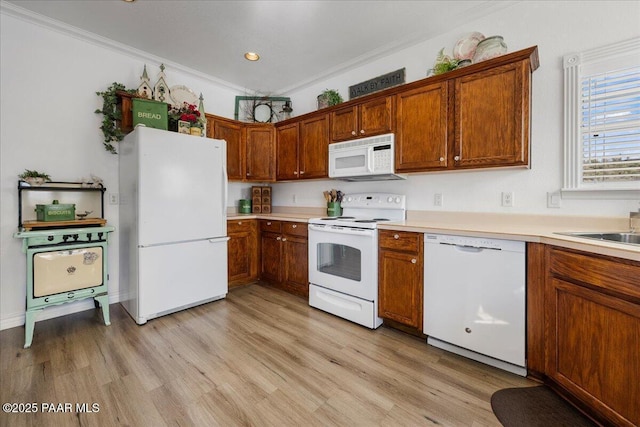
400	277
592	340
242	252
284	254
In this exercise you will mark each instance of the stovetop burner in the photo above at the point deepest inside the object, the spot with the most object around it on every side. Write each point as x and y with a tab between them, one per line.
366	210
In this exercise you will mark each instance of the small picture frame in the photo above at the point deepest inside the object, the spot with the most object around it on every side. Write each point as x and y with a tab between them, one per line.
184	127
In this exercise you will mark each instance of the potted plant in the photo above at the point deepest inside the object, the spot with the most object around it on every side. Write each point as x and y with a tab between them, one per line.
444	63
34	177
111	115
186	113
328	98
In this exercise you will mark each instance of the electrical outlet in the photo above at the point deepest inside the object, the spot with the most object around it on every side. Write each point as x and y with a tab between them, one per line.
507	199
113	198
437	199
553	199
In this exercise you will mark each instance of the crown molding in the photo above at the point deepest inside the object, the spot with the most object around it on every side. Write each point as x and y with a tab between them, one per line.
25	15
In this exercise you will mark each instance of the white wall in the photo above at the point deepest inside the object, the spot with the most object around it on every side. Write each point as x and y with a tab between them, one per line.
557	28
48	84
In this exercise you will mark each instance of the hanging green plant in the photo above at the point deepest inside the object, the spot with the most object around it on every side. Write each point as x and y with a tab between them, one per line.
112	114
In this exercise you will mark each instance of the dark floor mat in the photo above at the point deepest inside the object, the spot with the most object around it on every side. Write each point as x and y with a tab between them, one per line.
535	406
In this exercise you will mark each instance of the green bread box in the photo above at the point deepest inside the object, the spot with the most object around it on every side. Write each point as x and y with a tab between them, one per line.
150	113
56	212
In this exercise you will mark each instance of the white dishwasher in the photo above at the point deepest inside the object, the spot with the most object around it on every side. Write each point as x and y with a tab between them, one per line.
474	298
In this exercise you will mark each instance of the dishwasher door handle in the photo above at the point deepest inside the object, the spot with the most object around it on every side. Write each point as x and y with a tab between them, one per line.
467	248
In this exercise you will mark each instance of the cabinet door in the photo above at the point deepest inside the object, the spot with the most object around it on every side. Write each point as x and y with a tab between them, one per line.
232	133
594	349
243	252
400	287
295	262
287	152
344	123
492	117
261	153
271	256
376	117
314	147
422	129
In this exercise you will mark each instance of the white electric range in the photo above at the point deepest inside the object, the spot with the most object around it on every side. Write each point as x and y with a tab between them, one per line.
343	256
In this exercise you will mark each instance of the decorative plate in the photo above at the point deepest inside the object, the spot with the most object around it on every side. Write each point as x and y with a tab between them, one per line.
466	46
180	94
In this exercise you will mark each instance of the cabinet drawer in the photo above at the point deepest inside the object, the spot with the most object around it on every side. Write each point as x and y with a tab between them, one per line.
268	225
400	240
295	228
608	273
239	225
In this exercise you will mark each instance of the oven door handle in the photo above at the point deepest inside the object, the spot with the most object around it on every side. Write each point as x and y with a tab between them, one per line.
342	230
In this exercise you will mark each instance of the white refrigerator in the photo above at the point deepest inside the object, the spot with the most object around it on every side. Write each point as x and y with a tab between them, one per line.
173	229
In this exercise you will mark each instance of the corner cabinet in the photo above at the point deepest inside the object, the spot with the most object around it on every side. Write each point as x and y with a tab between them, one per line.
373	117
592	339
400	277
302	149
250	148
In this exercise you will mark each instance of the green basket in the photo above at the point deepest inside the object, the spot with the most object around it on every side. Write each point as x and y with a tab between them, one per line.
150	113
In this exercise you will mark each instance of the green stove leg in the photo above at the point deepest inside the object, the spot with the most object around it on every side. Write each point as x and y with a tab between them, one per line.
29	325
104	303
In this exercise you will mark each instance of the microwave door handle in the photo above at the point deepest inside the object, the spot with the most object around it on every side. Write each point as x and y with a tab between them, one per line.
370	159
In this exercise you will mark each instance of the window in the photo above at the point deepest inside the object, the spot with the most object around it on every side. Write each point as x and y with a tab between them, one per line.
602	120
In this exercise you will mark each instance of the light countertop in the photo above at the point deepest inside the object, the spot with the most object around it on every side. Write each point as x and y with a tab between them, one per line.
528	228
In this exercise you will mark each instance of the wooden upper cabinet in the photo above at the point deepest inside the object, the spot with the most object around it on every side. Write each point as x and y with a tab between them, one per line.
231	132
492	117
287	152
261	153
313	148
374	117
422	128
302	149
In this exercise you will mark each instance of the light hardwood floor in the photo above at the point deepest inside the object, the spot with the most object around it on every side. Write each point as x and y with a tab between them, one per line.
259	357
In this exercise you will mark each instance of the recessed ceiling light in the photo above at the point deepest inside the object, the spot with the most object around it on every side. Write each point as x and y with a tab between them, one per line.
251	56
129	1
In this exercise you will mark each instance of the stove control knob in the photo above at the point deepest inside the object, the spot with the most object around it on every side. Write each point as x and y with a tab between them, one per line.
75	237
50	238
349	198
397	200
65	237
89	236
389	199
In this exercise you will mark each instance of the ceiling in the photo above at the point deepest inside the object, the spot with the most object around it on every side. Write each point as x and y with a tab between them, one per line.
299	41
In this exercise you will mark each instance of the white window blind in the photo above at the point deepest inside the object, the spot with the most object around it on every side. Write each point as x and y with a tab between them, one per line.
602	122
610	126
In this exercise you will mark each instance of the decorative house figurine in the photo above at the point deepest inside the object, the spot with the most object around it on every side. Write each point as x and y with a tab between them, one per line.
144	89
161	89
203	119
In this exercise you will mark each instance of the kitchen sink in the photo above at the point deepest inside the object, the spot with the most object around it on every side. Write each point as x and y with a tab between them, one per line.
628	238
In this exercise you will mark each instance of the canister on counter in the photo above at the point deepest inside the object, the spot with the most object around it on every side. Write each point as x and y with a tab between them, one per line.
244	206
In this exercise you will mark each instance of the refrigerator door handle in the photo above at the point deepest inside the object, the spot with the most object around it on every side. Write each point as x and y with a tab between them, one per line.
219	239
225	183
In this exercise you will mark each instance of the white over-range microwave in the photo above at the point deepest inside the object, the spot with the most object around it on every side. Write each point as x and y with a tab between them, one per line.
365	159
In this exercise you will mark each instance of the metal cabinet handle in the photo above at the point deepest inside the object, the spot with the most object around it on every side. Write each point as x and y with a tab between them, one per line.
353	132
467	330
284	239
456	158
70	295
442	159
268	222
239	222
295	172
413	261
294	226
361	131
301	172
278	238
395	236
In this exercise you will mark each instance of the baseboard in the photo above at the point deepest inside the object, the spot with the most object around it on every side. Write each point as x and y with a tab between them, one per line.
17	319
